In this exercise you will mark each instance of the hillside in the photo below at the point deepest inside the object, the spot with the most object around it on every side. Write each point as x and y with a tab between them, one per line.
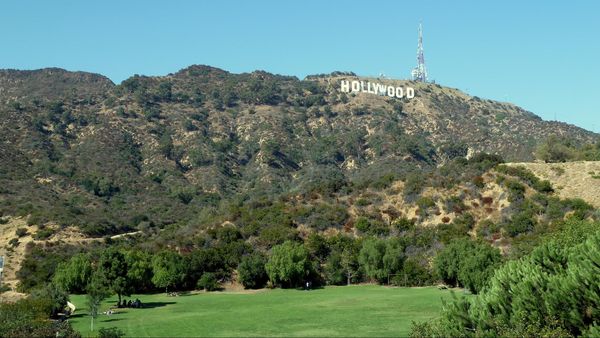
572	179
152	151
211	168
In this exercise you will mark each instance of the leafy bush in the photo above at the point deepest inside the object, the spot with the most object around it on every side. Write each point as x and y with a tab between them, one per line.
403	224
43	233
21	232
13	242
520	223
208	282
29	318
110	332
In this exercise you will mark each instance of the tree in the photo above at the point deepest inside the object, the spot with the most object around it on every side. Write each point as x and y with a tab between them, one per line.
73	276
139	270
334	271
289	264
96	293
553	291
380	258
349	262
167	269
53	297
555	149
251	271
371	258
112	267
28	317
478	266
447	261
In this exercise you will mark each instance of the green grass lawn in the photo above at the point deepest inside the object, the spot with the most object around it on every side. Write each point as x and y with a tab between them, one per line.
332	311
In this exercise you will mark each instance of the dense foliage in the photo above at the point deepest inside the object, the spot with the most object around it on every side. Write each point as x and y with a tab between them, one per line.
552	291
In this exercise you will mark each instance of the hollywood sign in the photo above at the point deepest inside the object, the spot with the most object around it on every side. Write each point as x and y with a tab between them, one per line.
347	86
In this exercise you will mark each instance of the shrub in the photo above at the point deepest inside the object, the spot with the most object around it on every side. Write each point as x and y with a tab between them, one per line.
21	232
110	332
454	204
516	191
413	186
404	224
43	233
362	224
361	202
208	282
546	293
520	223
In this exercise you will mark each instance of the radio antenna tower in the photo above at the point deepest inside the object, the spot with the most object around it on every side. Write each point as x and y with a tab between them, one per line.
419	73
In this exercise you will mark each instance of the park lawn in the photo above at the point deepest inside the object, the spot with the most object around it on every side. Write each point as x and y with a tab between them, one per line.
369	310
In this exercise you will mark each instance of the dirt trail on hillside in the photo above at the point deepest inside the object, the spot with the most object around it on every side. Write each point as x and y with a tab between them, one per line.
571	179
13	256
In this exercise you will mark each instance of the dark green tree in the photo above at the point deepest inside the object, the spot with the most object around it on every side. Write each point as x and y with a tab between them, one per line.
251	271
112	268
139	270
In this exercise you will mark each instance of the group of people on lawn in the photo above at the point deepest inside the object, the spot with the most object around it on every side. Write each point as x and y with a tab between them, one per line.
136	304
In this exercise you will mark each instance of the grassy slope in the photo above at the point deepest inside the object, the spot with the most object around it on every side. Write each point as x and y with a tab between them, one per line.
571	179
333	311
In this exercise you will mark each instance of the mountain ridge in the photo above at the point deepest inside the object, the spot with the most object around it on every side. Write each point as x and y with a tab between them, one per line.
160	150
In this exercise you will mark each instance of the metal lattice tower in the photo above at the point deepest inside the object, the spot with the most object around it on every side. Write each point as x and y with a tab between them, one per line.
419	73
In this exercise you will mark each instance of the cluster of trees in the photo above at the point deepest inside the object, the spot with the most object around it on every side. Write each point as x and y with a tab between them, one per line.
31	317
123	272
467	263
553	291
335	260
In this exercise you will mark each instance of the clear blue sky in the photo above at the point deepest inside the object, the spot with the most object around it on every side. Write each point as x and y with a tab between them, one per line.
541	55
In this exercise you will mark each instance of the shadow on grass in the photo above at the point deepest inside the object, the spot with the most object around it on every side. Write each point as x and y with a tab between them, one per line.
111	320
151	305
312	288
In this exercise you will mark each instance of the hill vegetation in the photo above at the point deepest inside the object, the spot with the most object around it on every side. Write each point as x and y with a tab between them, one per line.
204	178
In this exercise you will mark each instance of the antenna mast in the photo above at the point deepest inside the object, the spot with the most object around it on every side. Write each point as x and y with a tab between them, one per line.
419	73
